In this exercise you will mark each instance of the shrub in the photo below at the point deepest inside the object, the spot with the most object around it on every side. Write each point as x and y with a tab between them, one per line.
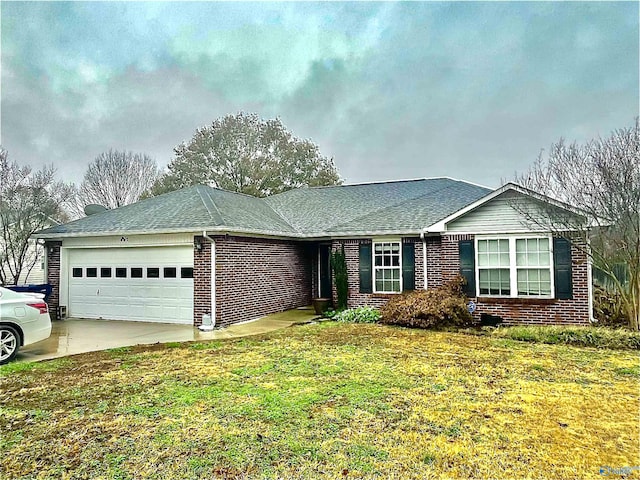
597	337
339	267
358	315
608	308
444	306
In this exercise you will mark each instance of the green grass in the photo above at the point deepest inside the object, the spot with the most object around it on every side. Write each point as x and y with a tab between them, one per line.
24	367
597	337
324	401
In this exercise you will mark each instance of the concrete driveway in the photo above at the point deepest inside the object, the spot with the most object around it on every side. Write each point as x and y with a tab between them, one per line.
72	336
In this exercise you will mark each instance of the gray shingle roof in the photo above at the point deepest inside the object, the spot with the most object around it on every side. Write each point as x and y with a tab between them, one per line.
190	209
400	206
405	205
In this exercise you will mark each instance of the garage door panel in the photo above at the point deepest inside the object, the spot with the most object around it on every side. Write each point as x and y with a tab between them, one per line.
125	297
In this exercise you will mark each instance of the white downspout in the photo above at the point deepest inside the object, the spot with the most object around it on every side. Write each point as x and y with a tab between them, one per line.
589	280
424	259
213	276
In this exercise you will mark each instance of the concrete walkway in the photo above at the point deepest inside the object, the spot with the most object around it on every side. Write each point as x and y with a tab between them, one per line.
72	336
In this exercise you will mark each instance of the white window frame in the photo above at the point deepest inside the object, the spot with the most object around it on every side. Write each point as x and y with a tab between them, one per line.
513	268
373	263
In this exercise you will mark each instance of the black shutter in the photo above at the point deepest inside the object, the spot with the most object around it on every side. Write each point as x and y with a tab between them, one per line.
467	255
562	268
366	285
408	266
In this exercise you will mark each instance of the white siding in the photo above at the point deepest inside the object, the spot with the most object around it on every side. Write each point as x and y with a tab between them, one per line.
507	212
37	272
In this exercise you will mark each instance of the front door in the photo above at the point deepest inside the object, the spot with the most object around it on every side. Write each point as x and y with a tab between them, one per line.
324	267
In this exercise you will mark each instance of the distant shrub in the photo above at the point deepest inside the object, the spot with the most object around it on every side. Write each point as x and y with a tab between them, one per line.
597	337
358	315
444	306
608	309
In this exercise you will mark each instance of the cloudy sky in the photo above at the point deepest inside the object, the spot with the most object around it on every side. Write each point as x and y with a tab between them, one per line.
389	90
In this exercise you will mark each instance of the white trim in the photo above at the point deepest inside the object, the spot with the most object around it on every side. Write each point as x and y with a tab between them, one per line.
124	245
441	226
318	236
513	268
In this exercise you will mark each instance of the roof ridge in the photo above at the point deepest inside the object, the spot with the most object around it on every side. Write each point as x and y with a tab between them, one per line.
209	202
394	205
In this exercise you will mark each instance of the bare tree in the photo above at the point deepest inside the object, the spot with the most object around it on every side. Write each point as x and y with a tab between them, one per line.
115	179
602	179
29	201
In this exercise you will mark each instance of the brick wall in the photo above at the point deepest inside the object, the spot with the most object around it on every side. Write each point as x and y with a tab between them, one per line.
53	276
418	262
256	277
352	254
201	280
434	261
574	311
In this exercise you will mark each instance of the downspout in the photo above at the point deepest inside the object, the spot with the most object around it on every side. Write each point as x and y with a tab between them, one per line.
589	280
213	277
424	259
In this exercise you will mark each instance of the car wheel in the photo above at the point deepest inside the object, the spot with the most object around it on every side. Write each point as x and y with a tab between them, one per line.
9	343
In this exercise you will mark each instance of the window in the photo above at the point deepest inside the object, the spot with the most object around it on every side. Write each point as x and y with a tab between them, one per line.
153	272
169	272
136	272
77	273
186	272
493	267
387	267
121	272
514	267
533	264
105	272
92	272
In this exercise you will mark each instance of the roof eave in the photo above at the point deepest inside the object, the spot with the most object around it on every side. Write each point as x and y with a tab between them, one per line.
234	231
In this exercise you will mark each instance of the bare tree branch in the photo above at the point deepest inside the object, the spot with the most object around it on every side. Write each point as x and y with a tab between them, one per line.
602	179
29	201
115	179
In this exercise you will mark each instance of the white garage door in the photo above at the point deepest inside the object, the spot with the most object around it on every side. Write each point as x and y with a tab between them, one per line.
152	284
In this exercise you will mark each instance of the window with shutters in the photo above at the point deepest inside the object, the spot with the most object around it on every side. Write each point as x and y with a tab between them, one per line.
514	266
387	268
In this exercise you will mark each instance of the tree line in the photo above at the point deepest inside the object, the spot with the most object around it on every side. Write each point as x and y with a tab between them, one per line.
247	154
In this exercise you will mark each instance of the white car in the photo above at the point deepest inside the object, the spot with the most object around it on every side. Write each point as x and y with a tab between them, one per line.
24	319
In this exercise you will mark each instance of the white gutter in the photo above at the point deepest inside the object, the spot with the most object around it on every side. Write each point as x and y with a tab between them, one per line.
236	232
424	259
213	276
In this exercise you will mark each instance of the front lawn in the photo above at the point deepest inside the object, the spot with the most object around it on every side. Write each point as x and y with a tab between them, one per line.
327	400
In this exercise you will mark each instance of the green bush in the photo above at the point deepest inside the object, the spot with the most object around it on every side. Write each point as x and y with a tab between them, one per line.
597	337
444	306
358	315
341	277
